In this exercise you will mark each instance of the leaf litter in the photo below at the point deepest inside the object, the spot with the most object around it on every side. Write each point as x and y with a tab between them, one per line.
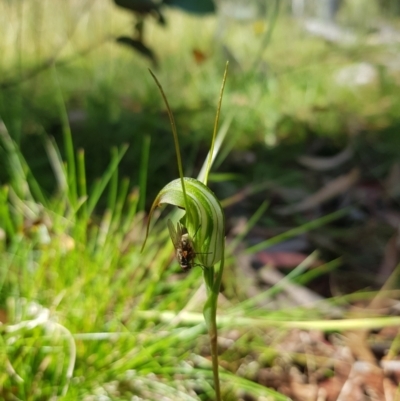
335	364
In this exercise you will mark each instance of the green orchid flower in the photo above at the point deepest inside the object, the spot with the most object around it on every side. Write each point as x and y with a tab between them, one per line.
204	218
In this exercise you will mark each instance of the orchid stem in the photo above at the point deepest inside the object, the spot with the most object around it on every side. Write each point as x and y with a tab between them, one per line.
213	334
213	284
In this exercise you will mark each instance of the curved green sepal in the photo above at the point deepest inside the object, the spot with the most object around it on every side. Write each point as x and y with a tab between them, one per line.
204	220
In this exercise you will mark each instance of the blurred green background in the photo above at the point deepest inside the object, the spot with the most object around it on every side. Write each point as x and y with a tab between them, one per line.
290	78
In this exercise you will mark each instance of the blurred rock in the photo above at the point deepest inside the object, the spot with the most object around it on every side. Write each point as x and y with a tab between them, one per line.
358	74
329	31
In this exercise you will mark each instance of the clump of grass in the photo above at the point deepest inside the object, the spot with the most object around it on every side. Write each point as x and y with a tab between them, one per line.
75	289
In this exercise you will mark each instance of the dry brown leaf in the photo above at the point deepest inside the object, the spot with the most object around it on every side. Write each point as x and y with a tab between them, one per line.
352	388
390	390
326	163
365	370
373	381
334	188
357	342
304	392
284	259
299	294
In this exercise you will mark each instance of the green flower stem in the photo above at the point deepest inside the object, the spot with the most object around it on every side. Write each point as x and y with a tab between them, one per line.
213	285
210	317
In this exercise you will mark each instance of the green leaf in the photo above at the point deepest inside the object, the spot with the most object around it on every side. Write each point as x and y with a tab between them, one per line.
204	220
193	6
139	6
